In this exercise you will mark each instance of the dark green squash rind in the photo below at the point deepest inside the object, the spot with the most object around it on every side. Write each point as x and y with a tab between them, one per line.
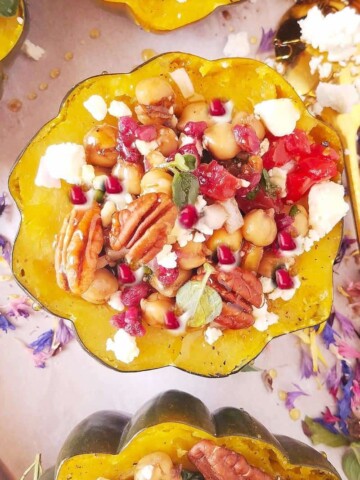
110	432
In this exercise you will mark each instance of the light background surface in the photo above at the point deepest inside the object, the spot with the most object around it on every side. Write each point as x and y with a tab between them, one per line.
38	407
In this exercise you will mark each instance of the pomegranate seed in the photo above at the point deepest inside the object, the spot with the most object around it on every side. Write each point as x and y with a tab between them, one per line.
225	255
77	195
132	296
283	279
171	322
167	276
126	139
130	321
285	240
188	216
195	129
247	139
217	108
125	274
147	133
113	185
283	221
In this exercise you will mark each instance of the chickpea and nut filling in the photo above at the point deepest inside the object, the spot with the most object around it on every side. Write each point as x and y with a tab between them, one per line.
188	218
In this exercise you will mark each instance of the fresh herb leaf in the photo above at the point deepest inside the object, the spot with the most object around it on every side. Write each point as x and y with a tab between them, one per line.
351	465
252	195
8	8
185	189
265	181
294	210
187	475
183	163
202	302
319	434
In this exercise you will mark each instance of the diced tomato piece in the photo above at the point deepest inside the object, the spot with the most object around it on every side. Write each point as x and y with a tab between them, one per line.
307	173
260	200
284	149
216	182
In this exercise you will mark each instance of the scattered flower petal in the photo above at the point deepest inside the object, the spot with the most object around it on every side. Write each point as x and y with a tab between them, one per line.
333	381
355	400
346	324
306	363
63	333
5	324
328	335
345	245
19	307
5	249
43	342
267	41
292	396
348	351
3	203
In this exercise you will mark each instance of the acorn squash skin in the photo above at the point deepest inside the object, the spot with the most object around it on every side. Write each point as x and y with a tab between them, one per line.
43	211
11	30
109	444
168	15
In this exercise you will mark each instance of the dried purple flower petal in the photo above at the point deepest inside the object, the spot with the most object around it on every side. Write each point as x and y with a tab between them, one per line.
3	203
5	324
267	41
348	351
18	307
43	342
355	399
292	396
333	381
344	404
63	333
328	335
5	248
328	417
346	324
41	357
345	245
306	363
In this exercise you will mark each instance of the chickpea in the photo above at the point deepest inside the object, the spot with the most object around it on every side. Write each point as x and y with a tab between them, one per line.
167	140
171	290
244	118
163	468
259	227
151	91
157	180
252	257
300	224
100	146
102	287
155	307
220	141
154	159
195	112
191	256
223	237
130	175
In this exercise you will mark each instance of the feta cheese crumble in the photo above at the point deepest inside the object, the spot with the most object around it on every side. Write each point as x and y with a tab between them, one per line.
145	473
96	106
279	115
124	346
146	147
115	302
278	176
237	45
32	51
61	161
212	334
263	318
166	257
326	208
119	109
339	97
336	33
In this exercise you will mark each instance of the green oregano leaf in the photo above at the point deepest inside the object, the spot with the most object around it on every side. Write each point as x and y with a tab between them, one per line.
266	183
185	189
8	8
182	163
252	195
294	210
321	435
187	475
202	303
351	465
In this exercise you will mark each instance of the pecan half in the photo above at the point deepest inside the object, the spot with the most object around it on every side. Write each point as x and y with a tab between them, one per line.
220	463
77	249
240	291
143	227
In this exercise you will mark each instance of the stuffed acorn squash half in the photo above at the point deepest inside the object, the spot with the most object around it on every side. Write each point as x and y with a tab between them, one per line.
12	18
183	214
174	436
168	15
